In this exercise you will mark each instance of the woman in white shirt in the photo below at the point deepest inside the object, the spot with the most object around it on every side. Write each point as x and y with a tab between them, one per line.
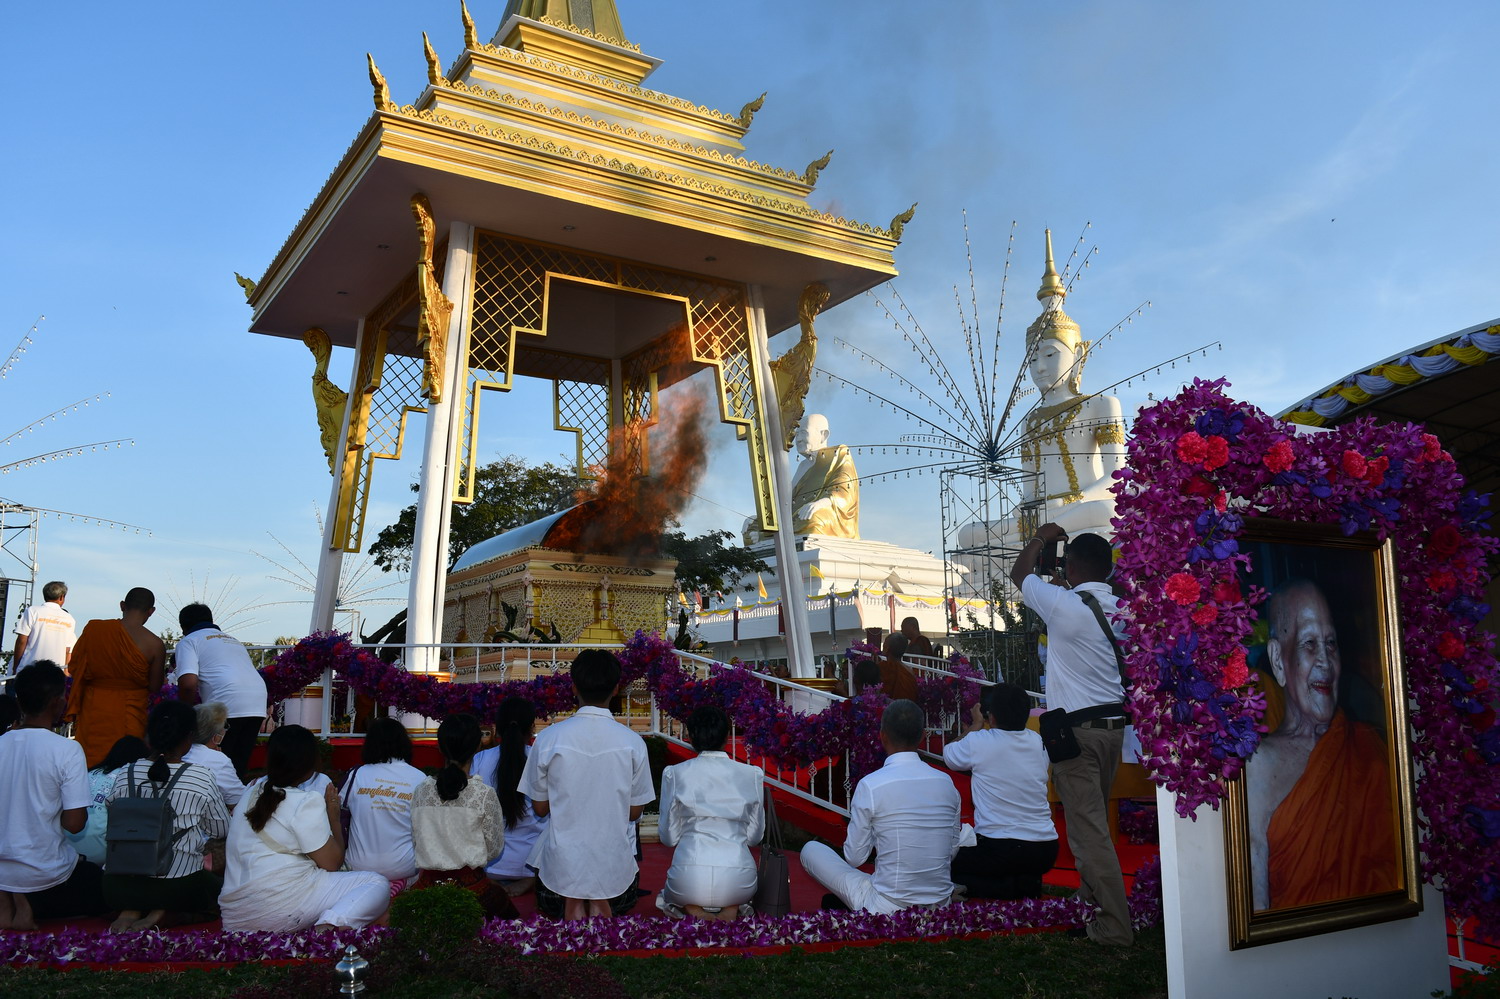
1017	840
213	722
285	849
199	814
456	823
378	794
501	768
712	811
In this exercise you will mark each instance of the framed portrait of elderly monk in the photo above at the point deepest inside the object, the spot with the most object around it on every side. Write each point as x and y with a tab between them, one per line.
1320	831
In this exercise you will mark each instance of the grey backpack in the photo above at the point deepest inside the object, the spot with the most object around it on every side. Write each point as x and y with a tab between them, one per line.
140	833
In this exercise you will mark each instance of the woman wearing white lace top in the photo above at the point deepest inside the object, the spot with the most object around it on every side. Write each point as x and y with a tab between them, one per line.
456	823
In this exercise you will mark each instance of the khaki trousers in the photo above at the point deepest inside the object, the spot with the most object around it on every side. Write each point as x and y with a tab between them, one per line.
1083	784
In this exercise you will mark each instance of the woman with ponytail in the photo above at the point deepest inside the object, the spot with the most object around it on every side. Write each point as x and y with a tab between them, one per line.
501	768
456	823
285	849
199	814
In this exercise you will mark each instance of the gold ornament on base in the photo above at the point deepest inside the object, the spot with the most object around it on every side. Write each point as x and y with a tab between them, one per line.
792	371
434	307
329	399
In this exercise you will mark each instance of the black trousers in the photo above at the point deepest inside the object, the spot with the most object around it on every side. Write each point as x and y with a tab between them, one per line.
239	742
1004	868
197	892
81	895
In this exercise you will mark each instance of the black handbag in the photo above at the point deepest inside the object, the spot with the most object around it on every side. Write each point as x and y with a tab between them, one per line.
1057	736
773	877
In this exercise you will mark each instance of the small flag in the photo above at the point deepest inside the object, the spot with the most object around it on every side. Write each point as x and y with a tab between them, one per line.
815	572
761	586
698	599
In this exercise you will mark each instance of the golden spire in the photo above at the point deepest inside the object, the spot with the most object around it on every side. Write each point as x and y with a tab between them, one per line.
1051	283
471	36
599	18
434	67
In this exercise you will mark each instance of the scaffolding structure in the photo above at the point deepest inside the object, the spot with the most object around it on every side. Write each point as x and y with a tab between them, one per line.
1001	636
18	561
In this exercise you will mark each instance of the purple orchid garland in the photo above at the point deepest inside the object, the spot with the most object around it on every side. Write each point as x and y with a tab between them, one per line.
1200	464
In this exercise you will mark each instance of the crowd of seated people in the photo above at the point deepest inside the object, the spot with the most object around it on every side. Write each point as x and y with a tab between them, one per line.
558	815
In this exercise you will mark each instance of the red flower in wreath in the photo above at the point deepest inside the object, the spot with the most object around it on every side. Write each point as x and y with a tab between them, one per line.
1445	541
1183	588
1432	448
1197	486
1216	453
1450	646
1279	456
1375	471
1227	591
1354	465
1205	615
1236	671
1441	581
1192	448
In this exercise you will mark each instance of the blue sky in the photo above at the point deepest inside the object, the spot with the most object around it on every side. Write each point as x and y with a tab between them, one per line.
1310	184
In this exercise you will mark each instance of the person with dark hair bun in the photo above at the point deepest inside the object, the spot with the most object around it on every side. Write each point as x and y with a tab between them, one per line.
286	847
712	810
456	823
90	842
198	815
500	768
378	794
1016	838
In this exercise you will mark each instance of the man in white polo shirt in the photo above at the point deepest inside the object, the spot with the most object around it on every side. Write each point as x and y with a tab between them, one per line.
45	630
215	666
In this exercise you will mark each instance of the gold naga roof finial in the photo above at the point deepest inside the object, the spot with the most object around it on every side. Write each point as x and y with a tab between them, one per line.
810	175
328	398
1051	283
382	92
434	67
792	372
471	35
747	113
245	283
898	224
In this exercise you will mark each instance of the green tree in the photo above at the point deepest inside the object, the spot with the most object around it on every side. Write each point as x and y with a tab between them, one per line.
705	562
507	493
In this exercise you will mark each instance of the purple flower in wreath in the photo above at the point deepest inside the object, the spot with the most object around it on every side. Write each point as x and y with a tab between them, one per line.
1488	744
1219	423
1473	610
1474	511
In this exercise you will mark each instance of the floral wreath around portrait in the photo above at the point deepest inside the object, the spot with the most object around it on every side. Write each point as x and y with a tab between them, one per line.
1199	466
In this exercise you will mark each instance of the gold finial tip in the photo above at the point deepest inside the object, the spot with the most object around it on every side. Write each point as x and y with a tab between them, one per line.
1051	284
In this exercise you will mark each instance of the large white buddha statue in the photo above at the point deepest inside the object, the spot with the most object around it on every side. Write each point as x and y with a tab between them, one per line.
825	492
1072	443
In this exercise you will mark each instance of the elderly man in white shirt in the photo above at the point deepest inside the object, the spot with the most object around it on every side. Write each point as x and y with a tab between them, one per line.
46	631
908	813
591	774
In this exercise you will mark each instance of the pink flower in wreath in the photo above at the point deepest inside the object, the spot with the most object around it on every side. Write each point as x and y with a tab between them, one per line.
1354	465
1221	501
1279	456
1205	615
1183	588
1192	448
1216	453
1450	646
1236	672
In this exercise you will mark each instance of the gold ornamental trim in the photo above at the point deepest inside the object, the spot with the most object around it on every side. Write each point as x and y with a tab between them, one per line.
434	307
579	29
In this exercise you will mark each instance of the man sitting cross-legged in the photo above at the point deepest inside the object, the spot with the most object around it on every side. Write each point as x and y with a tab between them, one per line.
591	775
45	791
907	812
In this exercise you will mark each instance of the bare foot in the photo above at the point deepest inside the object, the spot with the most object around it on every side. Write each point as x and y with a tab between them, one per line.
126	921
149	920
518	887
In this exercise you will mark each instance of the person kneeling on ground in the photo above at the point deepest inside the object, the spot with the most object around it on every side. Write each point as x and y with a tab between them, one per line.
285	849
456	824
712	810
1017	842
908	813
591	774
501	768
208	750
44	793
198	815
378	794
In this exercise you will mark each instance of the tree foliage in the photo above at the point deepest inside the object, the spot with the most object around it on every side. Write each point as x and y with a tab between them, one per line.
507	493
705	562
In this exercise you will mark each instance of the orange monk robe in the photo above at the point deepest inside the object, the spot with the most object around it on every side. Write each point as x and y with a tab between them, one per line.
1334	835
897	680
110	691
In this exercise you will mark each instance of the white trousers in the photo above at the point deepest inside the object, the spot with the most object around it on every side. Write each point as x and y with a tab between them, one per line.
708	886
850	884
337	898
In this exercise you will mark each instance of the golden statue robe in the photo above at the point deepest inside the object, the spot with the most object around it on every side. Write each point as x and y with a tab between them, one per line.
831	475
1334	836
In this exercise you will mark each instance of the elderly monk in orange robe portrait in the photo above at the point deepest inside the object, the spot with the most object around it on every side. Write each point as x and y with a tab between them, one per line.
116	667
1321	821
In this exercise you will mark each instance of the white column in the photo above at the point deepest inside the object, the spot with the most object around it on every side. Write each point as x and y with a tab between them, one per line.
429	550
799	648
331	556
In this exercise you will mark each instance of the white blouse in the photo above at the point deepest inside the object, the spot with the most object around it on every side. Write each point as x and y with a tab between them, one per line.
465	832
712	810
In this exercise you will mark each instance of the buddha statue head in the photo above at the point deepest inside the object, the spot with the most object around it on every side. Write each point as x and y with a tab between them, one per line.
1055	348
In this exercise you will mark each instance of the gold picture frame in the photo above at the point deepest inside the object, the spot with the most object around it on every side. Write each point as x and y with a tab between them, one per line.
1320	829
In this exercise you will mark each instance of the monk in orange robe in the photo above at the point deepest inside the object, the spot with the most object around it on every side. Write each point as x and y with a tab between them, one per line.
896	678
116	667
1318	788
1333	836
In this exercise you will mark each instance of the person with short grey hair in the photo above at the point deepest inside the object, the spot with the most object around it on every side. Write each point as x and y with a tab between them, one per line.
45	630
213	722
906	812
